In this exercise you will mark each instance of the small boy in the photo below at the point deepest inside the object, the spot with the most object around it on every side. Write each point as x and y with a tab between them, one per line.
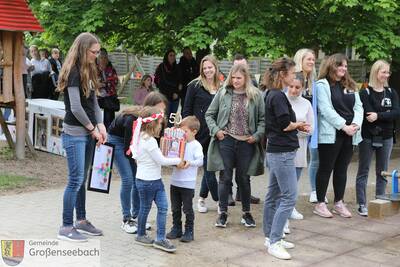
183	182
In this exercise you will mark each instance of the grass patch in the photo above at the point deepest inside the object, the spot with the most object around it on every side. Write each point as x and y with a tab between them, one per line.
6	153
10	181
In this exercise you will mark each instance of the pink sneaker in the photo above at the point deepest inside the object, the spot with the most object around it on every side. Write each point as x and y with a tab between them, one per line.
340	208
322	210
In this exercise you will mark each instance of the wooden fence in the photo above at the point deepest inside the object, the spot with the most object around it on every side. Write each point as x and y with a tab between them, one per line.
123	62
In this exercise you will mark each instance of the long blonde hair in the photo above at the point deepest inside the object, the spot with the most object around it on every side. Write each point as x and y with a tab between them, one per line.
77	56
373	75
328	69
298	59
250	90
202	78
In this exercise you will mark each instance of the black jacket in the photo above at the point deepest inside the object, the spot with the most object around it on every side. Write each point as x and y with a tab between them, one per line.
197	101
189	70
387	113
122	126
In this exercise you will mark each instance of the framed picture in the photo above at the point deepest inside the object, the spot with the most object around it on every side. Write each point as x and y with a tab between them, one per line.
100	171
41	132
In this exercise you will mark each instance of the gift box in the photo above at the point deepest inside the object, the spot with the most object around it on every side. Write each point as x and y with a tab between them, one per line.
172	144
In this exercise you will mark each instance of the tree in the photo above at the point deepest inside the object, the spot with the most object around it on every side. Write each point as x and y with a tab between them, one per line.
254	28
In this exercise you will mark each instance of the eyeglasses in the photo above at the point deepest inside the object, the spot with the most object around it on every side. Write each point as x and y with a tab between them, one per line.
95	52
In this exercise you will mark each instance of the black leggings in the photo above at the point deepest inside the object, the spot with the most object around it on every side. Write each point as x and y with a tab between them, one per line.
334	157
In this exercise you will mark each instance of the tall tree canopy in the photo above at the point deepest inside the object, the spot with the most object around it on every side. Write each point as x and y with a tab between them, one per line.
252	27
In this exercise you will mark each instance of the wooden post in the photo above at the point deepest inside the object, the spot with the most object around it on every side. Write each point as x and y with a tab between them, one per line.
8	70
19	96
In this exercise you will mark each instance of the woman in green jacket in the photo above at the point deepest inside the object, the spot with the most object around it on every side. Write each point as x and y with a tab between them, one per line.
236	122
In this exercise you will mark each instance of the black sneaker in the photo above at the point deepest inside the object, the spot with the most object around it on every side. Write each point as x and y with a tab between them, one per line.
222	220
176	232
188	235
247	220
165	245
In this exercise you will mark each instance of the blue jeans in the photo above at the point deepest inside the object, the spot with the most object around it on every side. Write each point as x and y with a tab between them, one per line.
129	196
382	154
150	191
208	183
282	194
79	151
298	172
313	167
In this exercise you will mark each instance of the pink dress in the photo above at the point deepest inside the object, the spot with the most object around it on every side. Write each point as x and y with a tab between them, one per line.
139	95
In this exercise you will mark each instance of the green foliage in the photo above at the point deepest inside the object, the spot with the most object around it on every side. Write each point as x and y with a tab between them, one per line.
254	28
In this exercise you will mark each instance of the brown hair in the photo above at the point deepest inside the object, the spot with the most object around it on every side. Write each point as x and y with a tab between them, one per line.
191	122
77	56
328	71
273	76
144	78
154	98
151	128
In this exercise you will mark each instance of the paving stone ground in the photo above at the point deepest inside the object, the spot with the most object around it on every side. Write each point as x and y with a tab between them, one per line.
355	242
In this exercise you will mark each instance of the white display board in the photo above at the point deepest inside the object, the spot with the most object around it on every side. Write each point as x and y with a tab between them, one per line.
45	119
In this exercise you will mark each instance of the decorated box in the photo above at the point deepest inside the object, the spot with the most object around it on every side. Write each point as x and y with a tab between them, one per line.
172	144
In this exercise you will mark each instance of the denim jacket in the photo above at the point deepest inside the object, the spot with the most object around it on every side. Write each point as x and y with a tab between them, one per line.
329	120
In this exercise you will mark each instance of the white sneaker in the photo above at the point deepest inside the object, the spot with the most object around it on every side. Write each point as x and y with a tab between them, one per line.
314	199
286	229
285	244
201	205
148	225
278	251
218	208
129	226
296	215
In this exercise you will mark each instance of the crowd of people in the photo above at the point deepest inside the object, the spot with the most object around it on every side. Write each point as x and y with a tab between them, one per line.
228	127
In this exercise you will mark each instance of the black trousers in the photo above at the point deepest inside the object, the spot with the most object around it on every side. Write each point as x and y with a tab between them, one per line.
182	198
235	154
108	117
334	157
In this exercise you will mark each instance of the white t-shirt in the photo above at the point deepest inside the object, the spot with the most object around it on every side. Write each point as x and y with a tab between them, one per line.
186	178
304	112
41	66
150	159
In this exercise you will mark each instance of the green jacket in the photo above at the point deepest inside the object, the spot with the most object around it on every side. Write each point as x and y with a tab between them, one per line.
217	117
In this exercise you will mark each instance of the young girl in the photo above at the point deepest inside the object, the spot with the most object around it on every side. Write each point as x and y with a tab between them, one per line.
144	89
82	125
381	109
236	122
340	115
281	132
120	134
149	160
304	112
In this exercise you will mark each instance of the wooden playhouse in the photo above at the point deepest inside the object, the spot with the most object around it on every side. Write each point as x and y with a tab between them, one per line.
15	18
